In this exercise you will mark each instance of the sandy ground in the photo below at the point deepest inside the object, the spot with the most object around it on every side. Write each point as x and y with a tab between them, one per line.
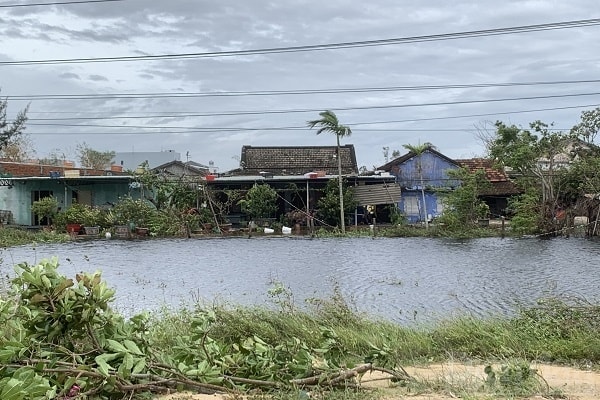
574	384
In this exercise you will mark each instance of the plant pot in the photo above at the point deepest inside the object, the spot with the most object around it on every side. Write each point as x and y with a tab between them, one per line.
483	222
225	227
73	229
122	231
91	230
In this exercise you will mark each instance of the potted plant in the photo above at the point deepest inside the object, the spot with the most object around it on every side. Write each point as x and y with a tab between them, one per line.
92	218
260	203
483	214
45	208
72	219
132	216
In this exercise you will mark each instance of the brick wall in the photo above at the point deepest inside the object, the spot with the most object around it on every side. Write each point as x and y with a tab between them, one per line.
30	170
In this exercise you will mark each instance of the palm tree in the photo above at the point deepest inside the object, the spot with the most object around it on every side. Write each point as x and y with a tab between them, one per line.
329	123
418	151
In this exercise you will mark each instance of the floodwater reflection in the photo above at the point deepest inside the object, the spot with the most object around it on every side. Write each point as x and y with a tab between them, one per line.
400	279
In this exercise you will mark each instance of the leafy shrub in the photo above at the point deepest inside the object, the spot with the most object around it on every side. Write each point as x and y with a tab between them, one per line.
46	207
82	214
129	210
516	378
260	201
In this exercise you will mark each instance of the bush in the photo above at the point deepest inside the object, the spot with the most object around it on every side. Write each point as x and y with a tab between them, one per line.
260	202
129	210
81	214
46	207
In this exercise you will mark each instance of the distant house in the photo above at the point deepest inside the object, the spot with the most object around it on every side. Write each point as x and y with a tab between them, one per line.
180	169
501	188
23	183
131	160
299	174
427	171
296	160
563	159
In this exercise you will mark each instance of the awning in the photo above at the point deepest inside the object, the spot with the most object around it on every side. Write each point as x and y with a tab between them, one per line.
387	193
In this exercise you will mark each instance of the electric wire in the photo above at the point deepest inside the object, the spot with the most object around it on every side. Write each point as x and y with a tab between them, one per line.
157	95
320	47
57	3
312	110
299	129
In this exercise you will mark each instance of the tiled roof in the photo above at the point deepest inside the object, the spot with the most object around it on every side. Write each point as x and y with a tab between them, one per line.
297	160
500	183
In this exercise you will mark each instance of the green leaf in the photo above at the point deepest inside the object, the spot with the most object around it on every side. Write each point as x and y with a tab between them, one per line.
126	366
139	366
12	389
103	359
103	367
113	345
132	347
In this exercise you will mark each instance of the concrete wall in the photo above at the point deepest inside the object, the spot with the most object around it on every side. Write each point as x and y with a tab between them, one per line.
18	199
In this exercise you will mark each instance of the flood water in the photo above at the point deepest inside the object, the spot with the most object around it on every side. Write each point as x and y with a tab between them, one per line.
399	279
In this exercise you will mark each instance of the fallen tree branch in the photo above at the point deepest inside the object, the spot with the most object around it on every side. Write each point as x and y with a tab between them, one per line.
332	379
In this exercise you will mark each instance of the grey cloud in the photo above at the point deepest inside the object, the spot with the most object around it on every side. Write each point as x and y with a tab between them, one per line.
98	78
146	27
69	75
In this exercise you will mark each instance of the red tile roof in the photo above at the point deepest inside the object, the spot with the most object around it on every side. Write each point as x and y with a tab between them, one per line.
500	183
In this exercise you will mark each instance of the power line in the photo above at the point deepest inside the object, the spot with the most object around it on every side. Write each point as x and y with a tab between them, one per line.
431	130
156	95
57	3
321	47
284	128
353	124
475	115
294	111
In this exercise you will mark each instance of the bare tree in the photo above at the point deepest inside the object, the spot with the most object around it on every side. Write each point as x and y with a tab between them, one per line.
8	131
94	159
18	148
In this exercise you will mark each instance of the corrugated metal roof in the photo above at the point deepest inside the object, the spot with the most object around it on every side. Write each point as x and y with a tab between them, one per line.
387	193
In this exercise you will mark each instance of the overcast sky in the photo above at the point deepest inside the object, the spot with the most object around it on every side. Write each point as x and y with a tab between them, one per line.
378	118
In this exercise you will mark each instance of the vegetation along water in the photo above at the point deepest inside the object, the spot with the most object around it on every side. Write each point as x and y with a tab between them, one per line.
308	316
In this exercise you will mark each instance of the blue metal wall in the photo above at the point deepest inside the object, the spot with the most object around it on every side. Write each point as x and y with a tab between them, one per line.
433	170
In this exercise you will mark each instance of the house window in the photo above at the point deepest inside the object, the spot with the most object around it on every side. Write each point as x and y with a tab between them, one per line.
411	206
440	206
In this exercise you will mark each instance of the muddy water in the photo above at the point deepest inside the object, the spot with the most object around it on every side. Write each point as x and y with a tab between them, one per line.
401	279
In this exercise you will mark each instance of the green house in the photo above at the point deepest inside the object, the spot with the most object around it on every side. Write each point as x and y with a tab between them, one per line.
23	183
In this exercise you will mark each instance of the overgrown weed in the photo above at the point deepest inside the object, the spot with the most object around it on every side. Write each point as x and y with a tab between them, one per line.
16	237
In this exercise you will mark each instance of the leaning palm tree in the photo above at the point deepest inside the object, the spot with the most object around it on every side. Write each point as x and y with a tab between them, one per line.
418	150
329	123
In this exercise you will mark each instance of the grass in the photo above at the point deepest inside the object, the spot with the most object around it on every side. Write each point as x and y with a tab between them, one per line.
554	331
16	237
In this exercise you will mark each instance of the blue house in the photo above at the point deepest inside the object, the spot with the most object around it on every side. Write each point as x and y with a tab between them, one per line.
21	184
423	179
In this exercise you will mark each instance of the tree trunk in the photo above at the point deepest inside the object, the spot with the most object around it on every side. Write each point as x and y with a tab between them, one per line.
339	159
